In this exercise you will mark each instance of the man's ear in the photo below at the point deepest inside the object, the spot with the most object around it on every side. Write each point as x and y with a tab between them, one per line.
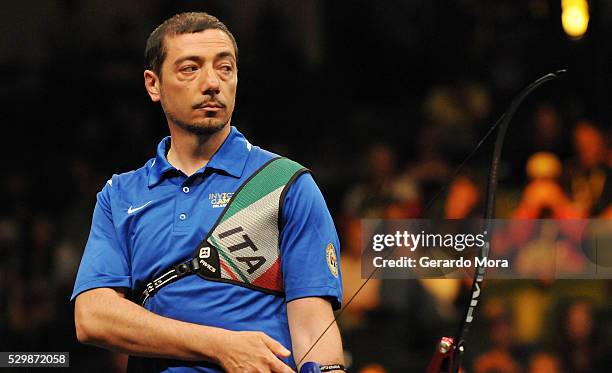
152	83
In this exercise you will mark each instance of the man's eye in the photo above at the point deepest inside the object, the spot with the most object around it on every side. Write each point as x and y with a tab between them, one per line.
226	68
189	69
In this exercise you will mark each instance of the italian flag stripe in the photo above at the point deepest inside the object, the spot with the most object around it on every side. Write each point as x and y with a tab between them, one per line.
272	177
228	270
228	261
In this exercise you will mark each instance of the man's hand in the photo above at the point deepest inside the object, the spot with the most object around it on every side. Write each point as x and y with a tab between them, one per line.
106	319
251	352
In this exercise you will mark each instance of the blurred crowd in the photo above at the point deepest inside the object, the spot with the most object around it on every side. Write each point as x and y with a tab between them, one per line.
534	326
382	103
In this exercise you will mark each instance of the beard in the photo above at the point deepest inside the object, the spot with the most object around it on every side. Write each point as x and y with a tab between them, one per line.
202	129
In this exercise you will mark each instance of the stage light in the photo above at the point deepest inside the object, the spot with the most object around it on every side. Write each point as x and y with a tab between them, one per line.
575	17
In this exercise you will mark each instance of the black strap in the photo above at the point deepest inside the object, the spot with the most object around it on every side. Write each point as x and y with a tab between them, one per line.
172	274
332	367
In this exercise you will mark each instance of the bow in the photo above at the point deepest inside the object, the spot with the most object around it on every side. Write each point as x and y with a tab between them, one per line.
448	352
447	357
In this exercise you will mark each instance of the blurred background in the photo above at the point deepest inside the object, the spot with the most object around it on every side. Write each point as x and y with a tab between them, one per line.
382	100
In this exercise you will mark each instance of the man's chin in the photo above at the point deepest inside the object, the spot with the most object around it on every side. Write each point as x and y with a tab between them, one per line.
205	129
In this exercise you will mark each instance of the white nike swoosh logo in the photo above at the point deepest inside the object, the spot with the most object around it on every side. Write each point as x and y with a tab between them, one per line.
133	210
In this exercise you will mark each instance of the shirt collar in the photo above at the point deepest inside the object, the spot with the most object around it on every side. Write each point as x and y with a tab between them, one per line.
230	158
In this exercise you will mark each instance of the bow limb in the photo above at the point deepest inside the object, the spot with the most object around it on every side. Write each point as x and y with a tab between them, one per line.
489	215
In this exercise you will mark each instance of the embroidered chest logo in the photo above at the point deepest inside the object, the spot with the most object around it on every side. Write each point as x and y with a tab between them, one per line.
219	200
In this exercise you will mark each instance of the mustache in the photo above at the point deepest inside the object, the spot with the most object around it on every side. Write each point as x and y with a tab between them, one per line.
212	100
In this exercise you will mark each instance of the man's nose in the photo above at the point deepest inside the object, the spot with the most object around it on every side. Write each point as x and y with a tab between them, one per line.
210	81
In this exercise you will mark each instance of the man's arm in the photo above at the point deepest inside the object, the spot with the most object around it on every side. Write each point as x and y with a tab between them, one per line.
308	318
104	318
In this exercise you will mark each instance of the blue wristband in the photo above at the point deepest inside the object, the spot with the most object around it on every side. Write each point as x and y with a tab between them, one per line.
310	367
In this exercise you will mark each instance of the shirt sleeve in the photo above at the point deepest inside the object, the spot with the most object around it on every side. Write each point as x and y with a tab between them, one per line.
309	244
105	261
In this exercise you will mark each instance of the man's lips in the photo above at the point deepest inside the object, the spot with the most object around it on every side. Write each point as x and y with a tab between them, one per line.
210	107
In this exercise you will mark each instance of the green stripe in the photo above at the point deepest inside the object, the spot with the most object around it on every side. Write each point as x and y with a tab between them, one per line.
228	260
272	177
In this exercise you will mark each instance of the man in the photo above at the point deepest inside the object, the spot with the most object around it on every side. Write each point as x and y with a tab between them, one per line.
156	231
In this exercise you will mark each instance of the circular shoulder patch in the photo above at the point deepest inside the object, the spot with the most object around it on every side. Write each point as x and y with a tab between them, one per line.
332	262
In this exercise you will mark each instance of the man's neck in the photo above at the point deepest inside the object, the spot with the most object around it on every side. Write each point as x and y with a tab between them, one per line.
190	152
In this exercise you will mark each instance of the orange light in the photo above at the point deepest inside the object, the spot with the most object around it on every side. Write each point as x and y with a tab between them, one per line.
575	17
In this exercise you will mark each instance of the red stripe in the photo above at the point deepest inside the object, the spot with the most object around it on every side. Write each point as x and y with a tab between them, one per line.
227	269
272	278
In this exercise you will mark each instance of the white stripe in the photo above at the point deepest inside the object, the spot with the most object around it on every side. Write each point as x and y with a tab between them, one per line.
164	282
161	284
161	278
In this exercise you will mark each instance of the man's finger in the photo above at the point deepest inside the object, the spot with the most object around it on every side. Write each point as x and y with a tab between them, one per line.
279	366
276	348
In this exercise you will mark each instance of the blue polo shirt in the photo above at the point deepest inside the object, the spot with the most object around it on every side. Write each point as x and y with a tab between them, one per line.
154	217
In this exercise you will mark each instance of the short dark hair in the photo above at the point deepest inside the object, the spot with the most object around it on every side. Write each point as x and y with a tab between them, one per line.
182	23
